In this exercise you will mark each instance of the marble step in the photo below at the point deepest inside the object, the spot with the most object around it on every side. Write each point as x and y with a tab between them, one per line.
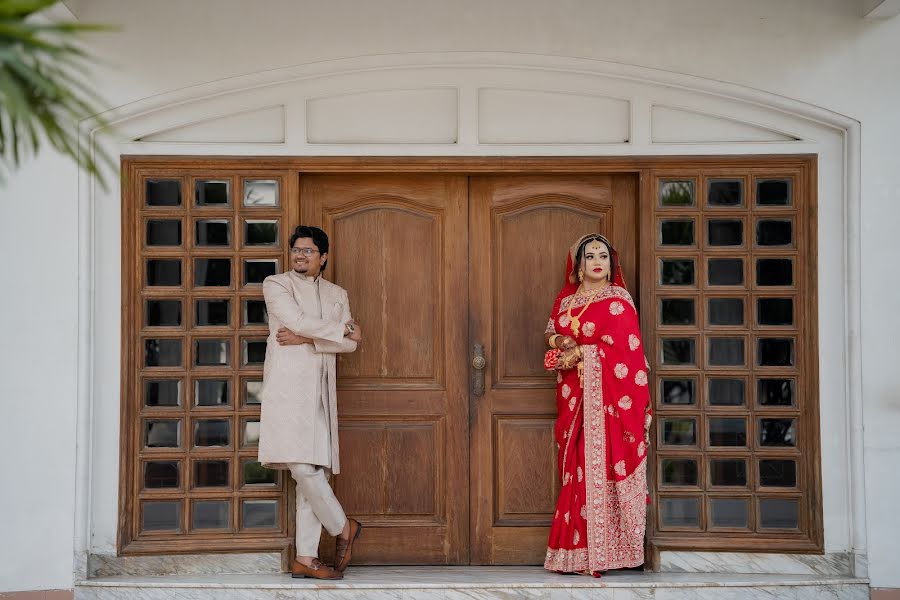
475	583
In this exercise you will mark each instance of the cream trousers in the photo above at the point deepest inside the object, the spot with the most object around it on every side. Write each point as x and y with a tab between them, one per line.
316	507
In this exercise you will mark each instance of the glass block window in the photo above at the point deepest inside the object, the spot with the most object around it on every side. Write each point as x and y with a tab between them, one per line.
733	292
201	245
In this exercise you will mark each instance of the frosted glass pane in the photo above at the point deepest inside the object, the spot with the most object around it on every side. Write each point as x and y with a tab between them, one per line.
163	232
726	192
161	474
211	514
680	512
161	516
678	391
212	432
211	473
212	353
676	193
211	392
163	192
261	192
260	514
213	232
212	193
162	392
260	233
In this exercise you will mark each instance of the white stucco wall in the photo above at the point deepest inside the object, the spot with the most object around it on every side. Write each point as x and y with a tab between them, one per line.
38	319
815	51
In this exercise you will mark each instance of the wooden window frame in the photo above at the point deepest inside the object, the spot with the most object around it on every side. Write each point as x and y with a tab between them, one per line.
135	214
802	212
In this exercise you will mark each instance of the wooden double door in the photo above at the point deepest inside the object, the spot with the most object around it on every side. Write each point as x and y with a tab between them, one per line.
443	462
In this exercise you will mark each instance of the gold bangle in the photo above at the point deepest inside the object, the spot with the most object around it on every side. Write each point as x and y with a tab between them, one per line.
552	340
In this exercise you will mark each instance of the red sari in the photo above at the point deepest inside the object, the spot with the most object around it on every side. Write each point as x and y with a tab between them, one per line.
603	413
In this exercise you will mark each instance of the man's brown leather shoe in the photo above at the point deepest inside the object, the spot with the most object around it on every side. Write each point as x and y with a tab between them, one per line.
343	548
316	571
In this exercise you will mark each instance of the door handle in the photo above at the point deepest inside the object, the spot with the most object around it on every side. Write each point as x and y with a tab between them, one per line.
478	364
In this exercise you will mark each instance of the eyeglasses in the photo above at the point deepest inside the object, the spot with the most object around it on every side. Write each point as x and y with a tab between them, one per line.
304	251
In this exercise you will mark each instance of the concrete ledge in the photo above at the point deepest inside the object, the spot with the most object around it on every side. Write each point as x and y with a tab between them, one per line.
479	583
38	595
834	564
104	565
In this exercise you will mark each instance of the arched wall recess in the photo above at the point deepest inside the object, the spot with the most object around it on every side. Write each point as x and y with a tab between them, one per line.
458	104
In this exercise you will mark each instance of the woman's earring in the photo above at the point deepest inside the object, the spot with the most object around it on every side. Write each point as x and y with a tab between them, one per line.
580	275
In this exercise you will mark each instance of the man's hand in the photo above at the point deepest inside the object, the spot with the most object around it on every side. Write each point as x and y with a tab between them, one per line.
286	337
356	336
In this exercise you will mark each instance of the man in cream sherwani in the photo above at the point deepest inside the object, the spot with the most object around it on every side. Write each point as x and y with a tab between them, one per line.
309	322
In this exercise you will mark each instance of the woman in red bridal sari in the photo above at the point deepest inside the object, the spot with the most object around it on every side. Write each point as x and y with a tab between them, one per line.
603	405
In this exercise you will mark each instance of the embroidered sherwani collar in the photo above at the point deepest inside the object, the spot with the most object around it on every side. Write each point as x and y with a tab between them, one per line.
304	278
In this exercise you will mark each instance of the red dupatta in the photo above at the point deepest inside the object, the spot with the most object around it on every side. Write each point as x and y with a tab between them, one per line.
603	413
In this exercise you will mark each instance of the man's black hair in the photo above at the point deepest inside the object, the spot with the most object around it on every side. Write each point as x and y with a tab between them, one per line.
319	238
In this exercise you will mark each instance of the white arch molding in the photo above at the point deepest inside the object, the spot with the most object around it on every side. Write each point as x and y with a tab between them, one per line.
468	104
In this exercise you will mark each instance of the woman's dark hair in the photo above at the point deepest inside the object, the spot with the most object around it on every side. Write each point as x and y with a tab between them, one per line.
580	254
319	238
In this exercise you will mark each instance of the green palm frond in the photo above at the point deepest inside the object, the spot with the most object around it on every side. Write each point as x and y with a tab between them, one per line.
44	91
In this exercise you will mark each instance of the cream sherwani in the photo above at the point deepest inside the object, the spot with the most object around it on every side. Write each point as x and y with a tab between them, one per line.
299	427
299	397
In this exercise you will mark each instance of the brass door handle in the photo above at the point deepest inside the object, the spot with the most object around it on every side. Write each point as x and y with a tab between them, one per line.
478	364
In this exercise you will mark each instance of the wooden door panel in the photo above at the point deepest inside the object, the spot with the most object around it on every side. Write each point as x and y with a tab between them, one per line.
525	495
365	443
519	545
393	262
381	483
521	228
402	396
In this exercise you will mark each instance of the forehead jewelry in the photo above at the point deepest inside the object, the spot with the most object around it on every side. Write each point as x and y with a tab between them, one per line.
594	246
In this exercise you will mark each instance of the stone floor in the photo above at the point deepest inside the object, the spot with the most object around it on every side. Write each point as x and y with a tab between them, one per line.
476	583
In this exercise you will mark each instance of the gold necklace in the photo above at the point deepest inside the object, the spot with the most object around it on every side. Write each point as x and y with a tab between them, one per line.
575	321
